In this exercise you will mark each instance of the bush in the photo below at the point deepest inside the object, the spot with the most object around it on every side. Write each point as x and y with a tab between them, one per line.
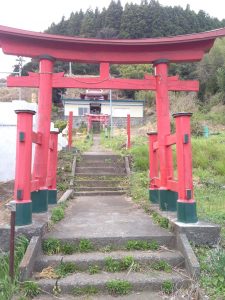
60	124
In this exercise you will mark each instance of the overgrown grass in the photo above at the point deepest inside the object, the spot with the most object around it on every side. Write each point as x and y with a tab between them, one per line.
58	212
119	287
83	143
7	287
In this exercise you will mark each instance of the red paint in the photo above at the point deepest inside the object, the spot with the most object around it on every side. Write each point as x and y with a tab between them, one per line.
52	160
23	156
184	156
153	160
128	132
44	120
70	129
103	82
183	48
163	122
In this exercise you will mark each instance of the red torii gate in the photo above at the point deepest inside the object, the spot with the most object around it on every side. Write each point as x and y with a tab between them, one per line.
159	51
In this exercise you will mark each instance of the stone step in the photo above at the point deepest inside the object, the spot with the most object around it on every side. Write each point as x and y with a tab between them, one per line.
98	183
149	281
164	240
84	260
101	156
99	193
100	175
146	295
120	165
99	170
99	188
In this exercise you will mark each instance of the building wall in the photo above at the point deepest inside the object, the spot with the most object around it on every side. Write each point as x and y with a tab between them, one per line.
119	110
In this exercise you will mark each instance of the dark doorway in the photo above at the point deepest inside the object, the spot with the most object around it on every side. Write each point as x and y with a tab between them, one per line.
95	108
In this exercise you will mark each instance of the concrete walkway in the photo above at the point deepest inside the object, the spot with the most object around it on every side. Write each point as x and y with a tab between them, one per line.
106	218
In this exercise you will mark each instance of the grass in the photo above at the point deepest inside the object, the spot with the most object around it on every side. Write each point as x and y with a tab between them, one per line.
161	221
87	290
54	246
119	287
65	268
7	287
94	269
30	289
58	212
114	265
161	265
83	143
142	245
167	287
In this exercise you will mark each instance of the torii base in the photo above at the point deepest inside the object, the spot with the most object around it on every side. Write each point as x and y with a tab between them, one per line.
23	213
168	200
186	212
154	196
52	197
39	201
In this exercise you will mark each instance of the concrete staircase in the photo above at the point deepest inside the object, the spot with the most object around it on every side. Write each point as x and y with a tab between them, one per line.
109	245
100	174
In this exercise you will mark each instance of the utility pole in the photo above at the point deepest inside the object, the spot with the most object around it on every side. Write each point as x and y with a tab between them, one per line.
20	65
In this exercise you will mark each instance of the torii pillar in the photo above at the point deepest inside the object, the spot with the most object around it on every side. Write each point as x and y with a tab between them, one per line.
40	197
167	198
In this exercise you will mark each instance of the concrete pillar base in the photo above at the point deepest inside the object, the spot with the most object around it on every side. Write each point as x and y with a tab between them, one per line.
39	201
186	212
168	200
154	196
23	213
52	197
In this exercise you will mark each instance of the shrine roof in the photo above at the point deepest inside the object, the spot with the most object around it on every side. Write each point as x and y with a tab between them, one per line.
189	47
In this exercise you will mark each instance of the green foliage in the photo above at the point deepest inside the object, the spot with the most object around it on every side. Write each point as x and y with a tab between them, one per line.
68	248
112	265
142	245
119	287
162	221
167	287
85	246
94	269
161	265
30	288
62	186
61	124
65	268
58	213
140	156
87	290
7	287
212	263
51	246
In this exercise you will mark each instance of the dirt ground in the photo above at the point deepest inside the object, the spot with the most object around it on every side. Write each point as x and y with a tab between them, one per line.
6	195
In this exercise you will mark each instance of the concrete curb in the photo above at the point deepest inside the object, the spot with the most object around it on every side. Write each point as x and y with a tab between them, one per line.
27	264
73	170
191	262
66	196
127	166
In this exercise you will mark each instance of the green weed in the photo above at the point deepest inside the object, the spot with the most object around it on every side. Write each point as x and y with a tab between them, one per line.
167	287
88	290
162	221
58	213
119	287
51	246
112	265
161	265
142	245
65	268
30	288
85	246
94	269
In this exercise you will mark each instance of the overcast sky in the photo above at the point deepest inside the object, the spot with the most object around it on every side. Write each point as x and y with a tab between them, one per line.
39	15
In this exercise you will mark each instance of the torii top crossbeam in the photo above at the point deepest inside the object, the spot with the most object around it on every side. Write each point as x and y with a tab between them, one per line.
182	48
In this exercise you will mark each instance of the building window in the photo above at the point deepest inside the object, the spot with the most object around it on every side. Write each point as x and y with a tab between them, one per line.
82	111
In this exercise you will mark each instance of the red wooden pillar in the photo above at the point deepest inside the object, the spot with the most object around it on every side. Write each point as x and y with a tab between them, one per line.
70	129
52	166
22	187
153	168
128	132
167	198
186	205
40	197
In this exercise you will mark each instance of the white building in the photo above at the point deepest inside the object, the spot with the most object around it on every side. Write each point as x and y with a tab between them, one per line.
120	110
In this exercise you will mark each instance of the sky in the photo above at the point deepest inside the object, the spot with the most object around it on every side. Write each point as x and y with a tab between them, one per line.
39	15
